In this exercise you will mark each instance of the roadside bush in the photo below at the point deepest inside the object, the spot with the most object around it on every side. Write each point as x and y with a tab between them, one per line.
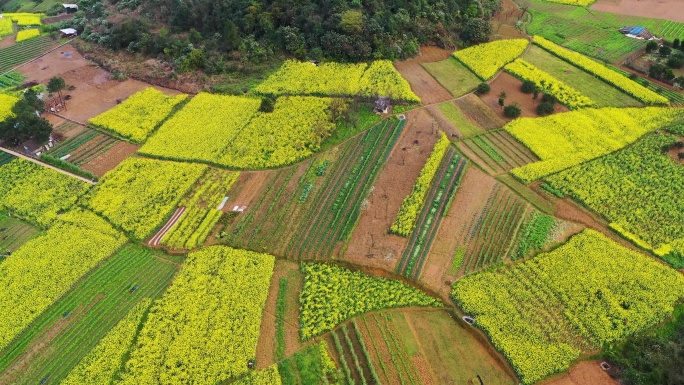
483	88
512	111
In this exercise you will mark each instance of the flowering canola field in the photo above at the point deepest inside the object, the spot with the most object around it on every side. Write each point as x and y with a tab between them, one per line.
380	78
136	117
139	194
207	323
543	313
568	139
486	59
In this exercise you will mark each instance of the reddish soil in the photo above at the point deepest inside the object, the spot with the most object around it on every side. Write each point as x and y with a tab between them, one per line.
470	198
58	18
504	22
511	86
109	159
584	373
266	346
94	92
422	83
677	154
479	113
370	244
7	41
247	187
660	9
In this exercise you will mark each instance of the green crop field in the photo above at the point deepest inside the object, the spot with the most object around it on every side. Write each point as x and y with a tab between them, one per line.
600	92
74	324
453	76
24	51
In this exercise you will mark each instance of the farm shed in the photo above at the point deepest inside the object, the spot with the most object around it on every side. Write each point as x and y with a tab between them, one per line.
637	32
70	8
68	32
382	105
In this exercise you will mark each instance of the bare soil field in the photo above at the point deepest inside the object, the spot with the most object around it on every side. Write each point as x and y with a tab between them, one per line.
660	9
511	86
266	347
584	373
111	158
468	202
247	187
422	83
479	113
94	92
370	243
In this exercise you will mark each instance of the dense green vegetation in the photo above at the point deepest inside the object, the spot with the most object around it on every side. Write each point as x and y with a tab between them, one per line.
205	34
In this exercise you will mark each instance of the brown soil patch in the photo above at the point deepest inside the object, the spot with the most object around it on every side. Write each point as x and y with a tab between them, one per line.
94	92
370	244
511	86
584	373
470	198
660	9
266	347
422	83
503	23
247	187
479	113
676	153
7	41
111	158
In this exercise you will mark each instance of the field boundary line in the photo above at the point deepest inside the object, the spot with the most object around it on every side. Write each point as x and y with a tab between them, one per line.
36	58
34	160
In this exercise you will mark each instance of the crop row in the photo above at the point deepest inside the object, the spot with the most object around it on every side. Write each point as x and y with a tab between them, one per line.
398	353
440	194
339	202
544	312
22	52
412	204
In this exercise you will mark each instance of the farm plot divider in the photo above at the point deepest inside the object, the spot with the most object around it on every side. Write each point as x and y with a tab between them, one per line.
445	185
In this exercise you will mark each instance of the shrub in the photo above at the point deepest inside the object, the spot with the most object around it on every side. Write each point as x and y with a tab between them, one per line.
548	98
545	108
512	111
483	88
651	46
675	61
528	87
675	43
664	50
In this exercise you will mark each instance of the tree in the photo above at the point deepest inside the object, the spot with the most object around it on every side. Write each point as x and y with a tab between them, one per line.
512	111
676	61
483	88
535	94
664	50
501	102
24	125
679	82
548	98
57	84
32	99
675	43
545	108
352	21
528	87
476	31
651	46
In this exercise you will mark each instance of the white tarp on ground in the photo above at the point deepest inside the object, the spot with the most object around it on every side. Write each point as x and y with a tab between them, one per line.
68	31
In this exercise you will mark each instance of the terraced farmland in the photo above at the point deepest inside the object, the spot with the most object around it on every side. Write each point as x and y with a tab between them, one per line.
83	147
14	233
497	151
